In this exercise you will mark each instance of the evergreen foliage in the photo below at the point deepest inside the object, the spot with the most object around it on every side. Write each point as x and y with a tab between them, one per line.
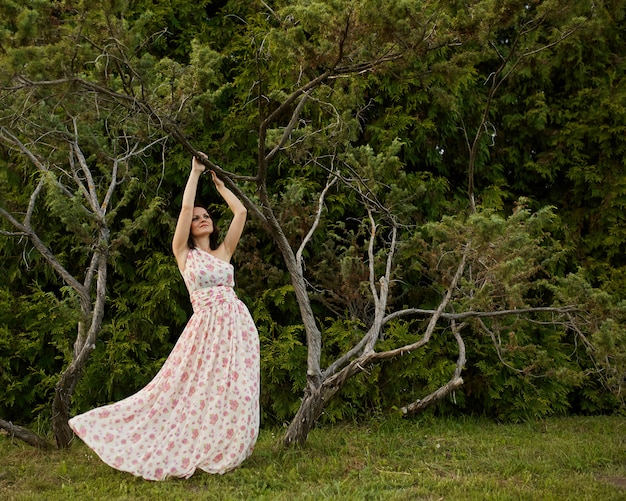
493	126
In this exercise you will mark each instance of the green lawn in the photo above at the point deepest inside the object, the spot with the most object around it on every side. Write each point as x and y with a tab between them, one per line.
580	458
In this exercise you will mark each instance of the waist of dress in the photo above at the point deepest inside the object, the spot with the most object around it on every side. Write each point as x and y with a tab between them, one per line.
203	298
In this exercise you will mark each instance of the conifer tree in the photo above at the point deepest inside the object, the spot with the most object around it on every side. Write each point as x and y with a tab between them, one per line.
362	138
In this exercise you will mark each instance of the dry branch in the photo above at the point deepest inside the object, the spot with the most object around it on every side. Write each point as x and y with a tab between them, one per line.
25	435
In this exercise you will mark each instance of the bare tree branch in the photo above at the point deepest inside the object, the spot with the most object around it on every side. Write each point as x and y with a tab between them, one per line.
289	128
484	314
25	435
455	382
320	207
436	314
11	140
31	203
498	346
13	233
75	155
419	405
372	260
47	255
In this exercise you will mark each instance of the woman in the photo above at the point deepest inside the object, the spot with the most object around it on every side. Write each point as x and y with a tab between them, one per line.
202	409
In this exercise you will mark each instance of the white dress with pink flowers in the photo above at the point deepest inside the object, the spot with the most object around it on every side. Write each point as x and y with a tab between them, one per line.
202	408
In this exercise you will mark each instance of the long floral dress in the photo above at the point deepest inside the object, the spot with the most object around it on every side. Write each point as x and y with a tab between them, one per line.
201	410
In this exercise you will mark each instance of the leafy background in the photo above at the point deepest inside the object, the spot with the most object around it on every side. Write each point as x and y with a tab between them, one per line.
555	136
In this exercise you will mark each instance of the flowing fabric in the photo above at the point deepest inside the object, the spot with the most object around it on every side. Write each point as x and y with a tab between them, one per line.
201	410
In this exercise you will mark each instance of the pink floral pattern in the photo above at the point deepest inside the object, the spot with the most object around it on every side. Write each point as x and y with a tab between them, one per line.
201	410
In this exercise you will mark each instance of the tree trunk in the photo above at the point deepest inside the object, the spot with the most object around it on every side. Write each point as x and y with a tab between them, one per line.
83	347
309	412
63	390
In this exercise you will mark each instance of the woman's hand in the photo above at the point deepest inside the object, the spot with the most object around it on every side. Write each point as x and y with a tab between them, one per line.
219	184
197	165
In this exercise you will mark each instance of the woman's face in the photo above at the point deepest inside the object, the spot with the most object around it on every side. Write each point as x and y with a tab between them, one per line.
201	223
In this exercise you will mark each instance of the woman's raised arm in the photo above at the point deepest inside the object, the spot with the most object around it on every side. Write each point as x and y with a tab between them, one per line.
183	225
227	248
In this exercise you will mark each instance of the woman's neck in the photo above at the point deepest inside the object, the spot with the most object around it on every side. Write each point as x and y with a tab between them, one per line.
203	244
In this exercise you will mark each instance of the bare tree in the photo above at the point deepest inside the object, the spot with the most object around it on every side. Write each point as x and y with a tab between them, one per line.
463	260
96	202
324	382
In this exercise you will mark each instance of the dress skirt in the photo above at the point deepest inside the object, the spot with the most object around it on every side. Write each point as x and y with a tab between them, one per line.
201	410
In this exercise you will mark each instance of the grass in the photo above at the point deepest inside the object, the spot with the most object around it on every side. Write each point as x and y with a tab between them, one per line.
577	458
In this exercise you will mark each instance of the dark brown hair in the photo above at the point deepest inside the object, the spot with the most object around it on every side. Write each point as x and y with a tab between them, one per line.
213	237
